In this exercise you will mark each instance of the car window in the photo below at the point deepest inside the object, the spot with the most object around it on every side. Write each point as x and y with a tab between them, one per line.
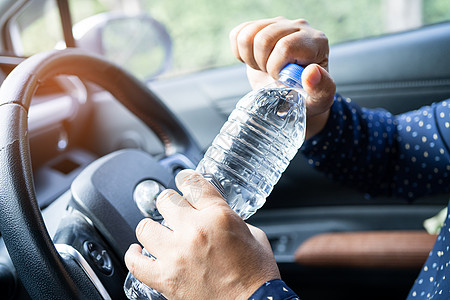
199	28
37	28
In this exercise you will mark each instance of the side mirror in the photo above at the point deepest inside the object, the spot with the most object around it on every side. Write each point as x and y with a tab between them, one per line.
139	43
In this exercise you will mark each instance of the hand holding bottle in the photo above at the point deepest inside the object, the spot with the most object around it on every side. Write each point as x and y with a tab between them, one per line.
198	258
267	45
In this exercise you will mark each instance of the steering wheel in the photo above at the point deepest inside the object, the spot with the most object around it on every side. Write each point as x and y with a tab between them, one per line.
40	267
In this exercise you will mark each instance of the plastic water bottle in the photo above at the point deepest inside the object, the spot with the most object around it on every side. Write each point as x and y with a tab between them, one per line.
252	150
256	144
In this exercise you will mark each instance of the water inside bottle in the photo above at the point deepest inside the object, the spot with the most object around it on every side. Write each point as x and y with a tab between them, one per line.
255	146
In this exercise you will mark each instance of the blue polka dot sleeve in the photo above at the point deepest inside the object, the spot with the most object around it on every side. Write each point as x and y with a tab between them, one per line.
382	154
274	290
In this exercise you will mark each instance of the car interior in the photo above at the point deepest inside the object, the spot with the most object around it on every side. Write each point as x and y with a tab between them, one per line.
78	133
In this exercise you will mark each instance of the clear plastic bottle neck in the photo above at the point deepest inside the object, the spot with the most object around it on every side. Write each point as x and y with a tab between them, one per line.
289	81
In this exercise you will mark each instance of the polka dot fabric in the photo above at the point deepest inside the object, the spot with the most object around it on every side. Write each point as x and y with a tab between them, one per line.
383	154
433	280
274	290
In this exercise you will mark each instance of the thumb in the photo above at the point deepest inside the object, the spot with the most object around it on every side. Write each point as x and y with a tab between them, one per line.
320	88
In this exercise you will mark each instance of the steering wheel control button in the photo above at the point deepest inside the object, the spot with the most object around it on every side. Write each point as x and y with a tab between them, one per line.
145	195
99	256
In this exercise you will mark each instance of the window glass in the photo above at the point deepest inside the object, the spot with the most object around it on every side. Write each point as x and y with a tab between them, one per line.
37	28
199	28
436	11
82	9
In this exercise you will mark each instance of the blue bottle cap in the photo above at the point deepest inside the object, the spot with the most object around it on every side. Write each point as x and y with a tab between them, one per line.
293	70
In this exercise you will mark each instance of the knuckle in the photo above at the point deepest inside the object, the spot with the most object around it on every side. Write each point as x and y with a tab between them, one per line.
301	22
259	234
285	47
257	230
181	260
223	216
263	41
279	18
245	37
321	38
200	237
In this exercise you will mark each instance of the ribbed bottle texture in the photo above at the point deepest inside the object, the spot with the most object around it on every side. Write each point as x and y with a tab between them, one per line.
256	144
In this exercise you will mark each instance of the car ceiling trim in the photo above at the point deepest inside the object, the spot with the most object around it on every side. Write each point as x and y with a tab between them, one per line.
67	250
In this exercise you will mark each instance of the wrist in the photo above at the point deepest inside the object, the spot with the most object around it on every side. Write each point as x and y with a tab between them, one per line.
274	289
255	284
315	124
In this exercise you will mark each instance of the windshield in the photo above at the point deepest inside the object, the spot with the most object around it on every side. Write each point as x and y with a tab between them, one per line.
199	28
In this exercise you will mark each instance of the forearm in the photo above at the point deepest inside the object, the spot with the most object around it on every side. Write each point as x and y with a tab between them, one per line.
379	153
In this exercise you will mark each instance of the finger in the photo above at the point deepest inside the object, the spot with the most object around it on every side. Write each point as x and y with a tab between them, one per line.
245	39
197	190
233	39
266	39
174	208
143	267
302	47
156	238
320	88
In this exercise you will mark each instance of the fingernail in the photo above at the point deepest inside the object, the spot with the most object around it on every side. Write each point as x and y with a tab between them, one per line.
181	177
313	75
